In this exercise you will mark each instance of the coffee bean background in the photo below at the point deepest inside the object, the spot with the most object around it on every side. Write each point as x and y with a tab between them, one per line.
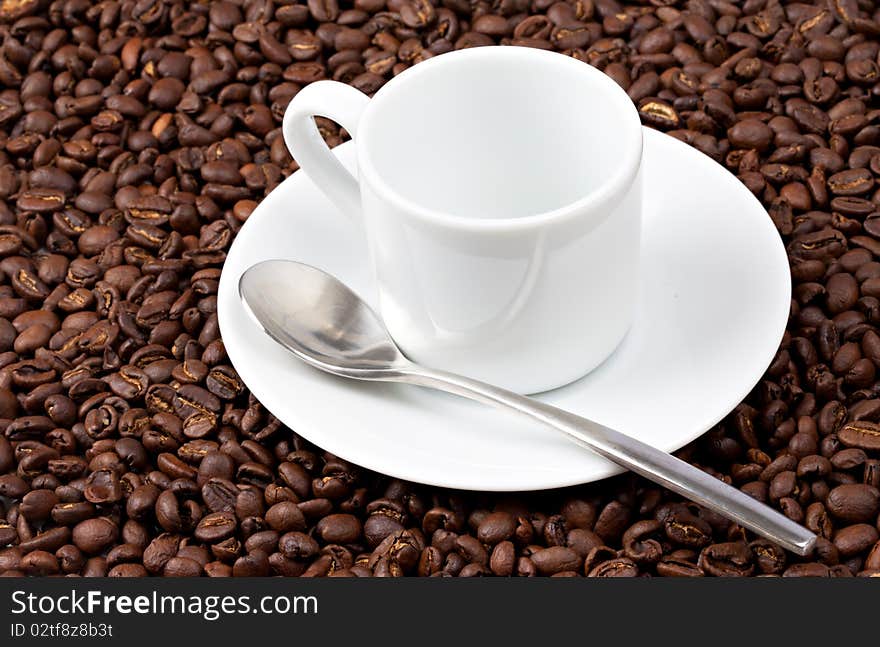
137	136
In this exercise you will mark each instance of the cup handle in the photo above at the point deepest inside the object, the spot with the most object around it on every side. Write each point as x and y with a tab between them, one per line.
344	105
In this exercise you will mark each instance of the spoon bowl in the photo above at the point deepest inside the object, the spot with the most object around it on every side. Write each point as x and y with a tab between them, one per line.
320	319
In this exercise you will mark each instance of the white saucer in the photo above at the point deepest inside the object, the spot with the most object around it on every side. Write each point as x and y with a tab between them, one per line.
713	308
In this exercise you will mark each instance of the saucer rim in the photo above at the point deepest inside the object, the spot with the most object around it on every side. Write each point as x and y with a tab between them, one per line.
537	478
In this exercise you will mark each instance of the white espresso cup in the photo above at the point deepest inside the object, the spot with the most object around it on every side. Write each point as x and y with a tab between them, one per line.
499	189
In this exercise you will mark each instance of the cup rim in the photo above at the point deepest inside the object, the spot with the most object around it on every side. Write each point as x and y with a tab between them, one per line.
591	203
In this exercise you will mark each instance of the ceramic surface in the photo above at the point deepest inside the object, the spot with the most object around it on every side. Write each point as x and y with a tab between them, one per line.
500	195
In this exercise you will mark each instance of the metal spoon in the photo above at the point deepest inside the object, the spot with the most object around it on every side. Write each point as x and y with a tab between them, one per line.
328	326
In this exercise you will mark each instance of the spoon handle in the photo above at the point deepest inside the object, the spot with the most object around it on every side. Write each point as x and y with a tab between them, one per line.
641	458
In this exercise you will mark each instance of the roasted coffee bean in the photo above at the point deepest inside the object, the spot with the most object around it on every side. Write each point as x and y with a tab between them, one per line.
751	133
182	567
141	501
37	505
220	495
175	515
502	559
674	566
496	527
339	529
8	533
286	516
224	382
160	551
612	521
851	182
854	503
49	540
266	540
638	543
297	545
216	527
855	539
616	567
92	536
39	563
685	529
555	559
579	514
127	570
103	486
13	486
471	550
862	434
769	558
324	10
71	513
732	559
812	569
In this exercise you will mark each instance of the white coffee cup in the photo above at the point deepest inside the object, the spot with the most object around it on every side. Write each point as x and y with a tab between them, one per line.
500	193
